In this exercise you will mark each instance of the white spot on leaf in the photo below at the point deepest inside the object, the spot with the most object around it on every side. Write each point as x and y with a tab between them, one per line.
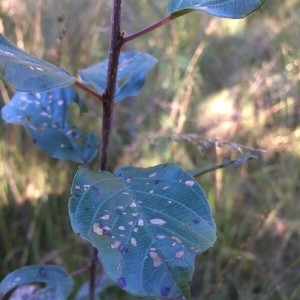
121	228
160	236
176	239
115	245
98	229
133	242
105	217
152	175
179	253
141	222
159	222
190	182
133	204
156	259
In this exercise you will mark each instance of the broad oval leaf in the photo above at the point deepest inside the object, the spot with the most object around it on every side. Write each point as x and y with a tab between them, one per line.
222	8
45	116
58	283
132	71
28	73
148	225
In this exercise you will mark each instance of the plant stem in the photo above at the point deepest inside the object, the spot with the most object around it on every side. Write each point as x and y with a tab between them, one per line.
116	42
154	26
88	90
93	270
80	271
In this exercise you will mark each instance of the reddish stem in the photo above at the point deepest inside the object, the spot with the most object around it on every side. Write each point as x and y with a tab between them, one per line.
88	90
116	42
80	271
154	26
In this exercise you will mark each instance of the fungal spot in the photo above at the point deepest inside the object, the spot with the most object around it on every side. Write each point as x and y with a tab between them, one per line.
121	282
115	245
98	229
152	175
164	291
160	236
141	222
125	193
130	223
166	187
105	217
151	192
135	229
170	202
119	265
156	259
42	272
60	102
179	254
133	242
133	204
190	182
123	249
121	228
196	221
106	228
120	207
128	180
119	212
176	240
159	222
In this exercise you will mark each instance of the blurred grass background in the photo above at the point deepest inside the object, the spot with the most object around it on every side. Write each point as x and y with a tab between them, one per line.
220	86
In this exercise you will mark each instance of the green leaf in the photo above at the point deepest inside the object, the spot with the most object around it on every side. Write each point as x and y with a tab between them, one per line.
148	225
132	71
58	283
222	8
28	73
233	163
45	116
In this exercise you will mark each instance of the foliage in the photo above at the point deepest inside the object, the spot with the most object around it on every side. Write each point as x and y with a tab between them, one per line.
175	266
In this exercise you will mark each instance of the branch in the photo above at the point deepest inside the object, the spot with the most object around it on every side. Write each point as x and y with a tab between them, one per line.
80	271
116	42
93	270
88	90
156	25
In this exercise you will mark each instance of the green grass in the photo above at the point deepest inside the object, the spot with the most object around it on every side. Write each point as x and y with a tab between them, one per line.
245	90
